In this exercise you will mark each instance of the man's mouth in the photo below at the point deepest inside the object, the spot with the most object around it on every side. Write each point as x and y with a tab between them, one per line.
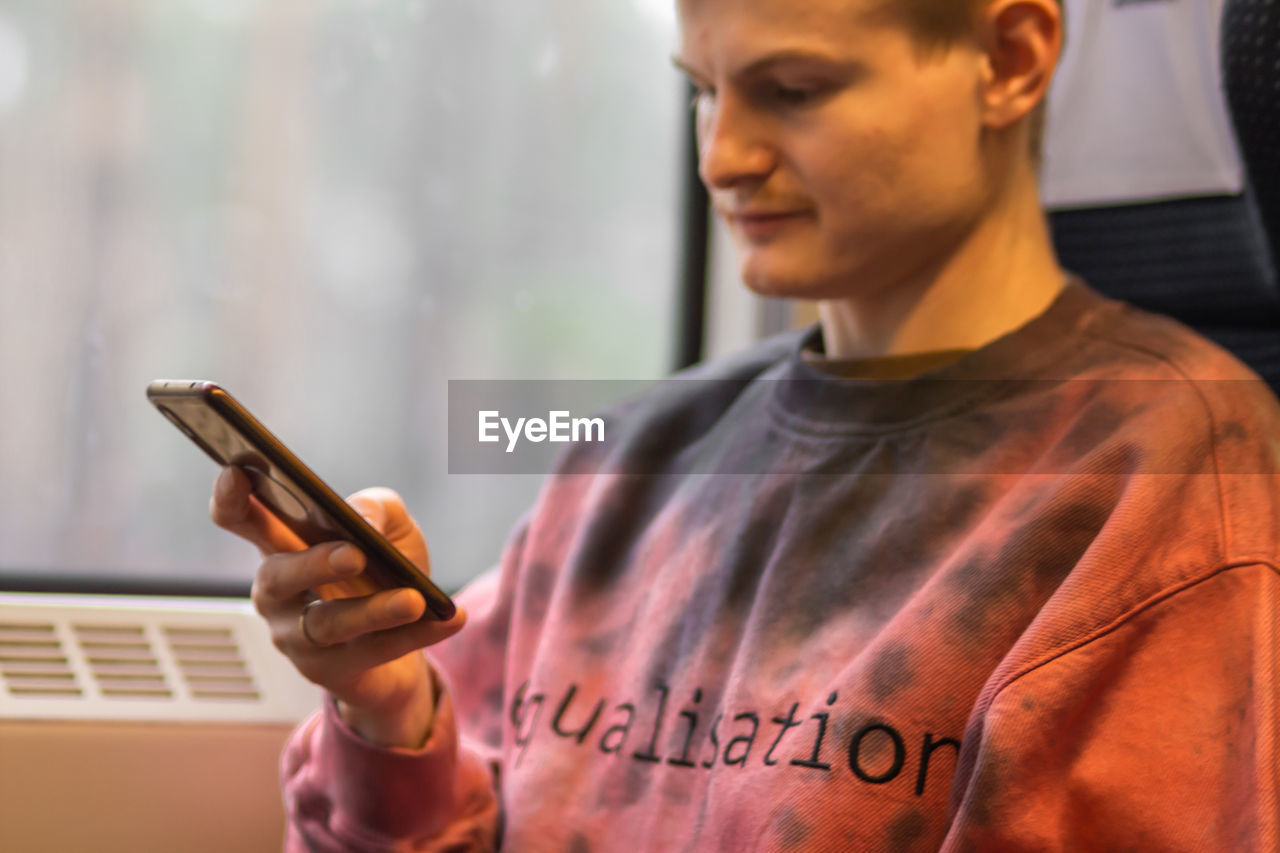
762	223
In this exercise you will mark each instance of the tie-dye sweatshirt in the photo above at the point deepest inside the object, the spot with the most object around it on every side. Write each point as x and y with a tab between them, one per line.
1024	601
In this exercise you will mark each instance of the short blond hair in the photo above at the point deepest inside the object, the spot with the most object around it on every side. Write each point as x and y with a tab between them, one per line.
939	24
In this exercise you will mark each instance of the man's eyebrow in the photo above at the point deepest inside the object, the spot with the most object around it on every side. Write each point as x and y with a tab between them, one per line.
776	57
682	66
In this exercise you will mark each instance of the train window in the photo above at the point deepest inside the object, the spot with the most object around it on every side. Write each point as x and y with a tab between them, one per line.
333	208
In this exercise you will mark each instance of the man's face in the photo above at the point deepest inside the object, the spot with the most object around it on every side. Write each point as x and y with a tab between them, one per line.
842	159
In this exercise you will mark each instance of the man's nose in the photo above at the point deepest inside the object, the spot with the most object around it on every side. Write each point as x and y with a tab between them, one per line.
733	147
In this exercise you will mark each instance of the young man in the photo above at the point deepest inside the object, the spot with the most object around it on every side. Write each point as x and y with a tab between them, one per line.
981	562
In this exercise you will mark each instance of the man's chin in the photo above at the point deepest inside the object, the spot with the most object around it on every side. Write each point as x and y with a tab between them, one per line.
787	284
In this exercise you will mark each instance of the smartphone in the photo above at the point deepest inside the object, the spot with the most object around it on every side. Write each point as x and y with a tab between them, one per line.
225	430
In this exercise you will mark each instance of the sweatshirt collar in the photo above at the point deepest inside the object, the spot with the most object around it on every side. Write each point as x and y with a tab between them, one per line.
1036	350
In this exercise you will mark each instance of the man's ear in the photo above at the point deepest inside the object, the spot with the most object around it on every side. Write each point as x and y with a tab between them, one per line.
1021	40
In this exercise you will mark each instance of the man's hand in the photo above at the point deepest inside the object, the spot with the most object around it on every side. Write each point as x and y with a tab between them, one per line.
365	650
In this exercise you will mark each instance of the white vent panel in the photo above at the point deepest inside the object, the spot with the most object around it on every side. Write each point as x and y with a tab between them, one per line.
128	658
121	661
32	662
211	663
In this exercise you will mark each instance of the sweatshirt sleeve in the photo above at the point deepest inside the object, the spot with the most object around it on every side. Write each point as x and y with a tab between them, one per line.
1157	733
343	793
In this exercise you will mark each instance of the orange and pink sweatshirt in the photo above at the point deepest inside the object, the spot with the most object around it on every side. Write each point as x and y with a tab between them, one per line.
1023	601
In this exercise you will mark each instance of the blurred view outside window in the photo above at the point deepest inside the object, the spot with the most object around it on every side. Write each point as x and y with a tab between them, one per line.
331	207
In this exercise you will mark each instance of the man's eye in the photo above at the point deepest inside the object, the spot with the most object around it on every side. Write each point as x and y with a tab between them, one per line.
702	98
791	96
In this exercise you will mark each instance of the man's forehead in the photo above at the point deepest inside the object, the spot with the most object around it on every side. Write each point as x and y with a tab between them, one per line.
830	21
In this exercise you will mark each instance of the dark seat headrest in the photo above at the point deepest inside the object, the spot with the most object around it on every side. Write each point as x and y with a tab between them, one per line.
1250	41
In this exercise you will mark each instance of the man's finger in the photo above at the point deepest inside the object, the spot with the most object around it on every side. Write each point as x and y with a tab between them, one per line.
379	647
386	512
284	577
234	508
344	620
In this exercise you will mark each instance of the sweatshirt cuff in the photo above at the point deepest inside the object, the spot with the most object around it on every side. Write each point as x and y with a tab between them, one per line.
374	793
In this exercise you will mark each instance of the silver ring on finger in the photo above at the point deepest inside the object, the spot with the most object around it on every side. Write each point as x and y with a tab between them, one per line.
302	624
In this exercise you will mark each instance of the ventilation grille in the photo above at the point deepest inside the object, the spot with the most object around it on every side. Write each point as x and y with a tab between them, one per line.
211	664
121	661
32	662
132	658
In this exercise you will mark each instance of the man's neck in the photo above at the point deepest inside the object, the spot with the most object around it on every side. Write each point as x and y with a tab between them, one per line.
1002	273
